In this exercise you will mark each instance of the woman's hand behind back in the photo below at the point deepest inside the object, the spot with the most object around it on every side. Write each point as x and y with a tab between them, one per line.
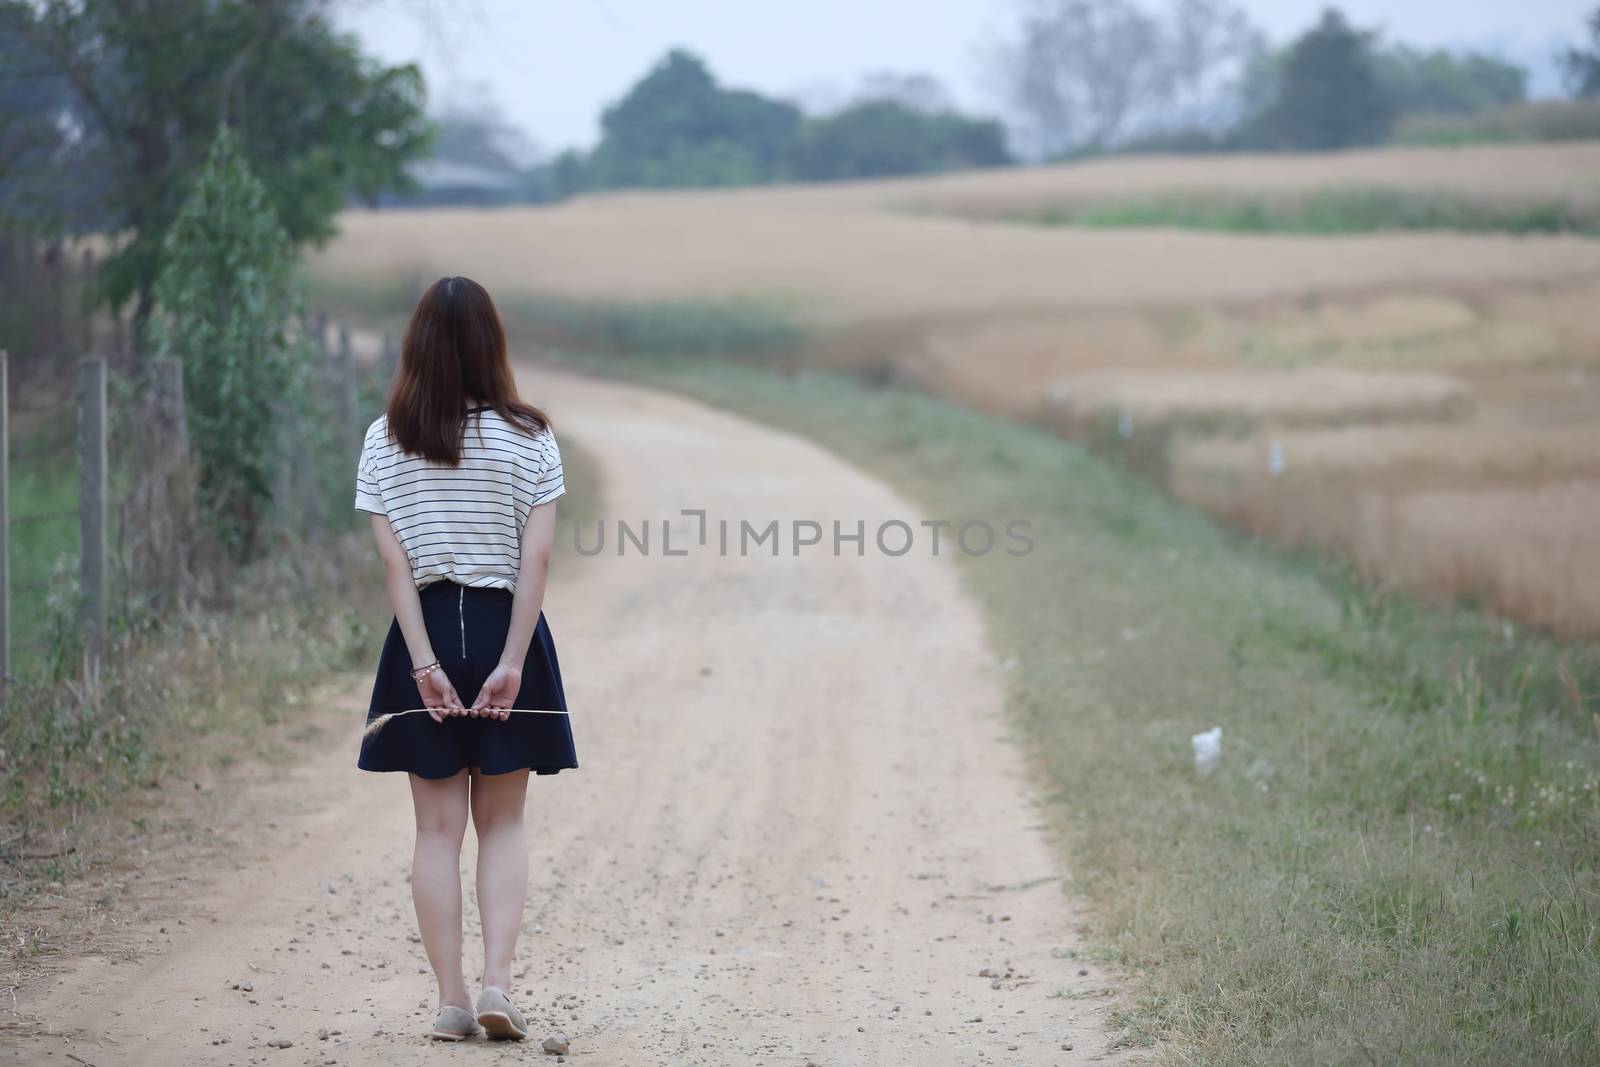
439	695
499	692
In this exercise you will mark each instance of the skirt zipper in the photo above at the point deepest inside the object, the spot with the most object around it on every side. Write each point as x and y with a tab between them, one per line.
461	613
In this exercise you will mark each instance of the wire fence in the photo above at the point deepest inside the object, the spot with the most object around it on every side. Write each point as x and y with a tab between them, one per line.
77	498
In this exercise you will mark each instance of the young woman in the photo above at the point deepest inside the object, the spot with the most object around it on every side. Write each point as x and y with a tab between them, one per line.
460	478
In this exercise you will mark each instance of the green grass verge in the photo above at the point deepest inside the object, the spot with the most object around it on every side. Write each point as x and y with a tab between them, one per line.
1330	211
1397	859
201	686
43	543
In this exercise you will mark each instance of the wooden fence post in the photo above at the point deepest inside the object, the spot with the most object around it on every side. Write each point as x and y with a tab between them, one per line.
174	485
5	518
167	379
346	385
303	474
92	503
85	304
55	283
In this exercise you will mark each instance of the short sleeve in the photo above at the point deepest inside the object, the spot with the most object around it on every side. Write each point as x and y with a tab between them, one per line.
368	495
551	481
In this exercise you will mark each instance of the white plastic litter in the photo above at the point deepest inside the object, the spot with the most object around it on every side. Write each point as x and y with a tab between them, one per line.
1207	750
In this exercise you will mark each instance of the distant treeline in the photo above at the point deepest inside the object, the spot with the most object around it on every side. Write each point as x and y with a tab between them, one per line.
1089	77
1076	78
678	127
1337	86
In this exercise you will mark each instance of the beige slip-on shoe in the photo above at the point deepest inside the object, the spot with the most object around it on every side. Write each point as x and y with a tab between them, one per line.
453	1024
499	1016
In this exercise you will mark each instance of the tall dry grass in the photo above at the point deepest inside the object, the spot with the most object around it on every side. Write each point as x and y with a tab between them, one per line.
1521	552
1505	516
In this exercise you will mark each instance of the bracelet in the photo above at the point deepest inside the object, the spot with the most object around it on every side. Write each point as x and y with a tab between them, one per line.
419	673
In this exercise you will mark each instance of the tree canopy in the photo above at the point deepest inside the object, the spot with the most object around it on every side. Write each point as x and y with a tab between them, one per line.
1328	93
1084	75
1440	82
1581	65
679	127
142	86
874	138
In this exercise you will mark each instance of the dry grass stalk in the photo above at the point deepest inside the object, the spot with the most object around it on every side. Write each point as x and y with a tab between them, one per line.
376	726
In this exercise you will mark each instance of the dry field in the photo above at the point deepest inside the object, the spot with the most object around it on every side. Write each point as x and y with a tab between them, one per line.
1502	175
1419	403
855	253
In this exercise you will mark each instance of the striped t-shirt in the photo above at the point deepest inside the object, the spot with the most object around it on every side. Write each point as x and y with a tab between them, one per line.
463	523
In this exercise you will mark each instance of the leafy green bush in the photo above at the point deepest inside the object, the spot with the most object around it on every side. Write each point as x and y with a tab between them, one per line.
228	297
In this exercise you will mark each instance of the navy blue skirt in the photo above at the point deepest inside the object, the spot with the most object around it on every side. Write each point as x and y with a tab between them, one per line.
467	627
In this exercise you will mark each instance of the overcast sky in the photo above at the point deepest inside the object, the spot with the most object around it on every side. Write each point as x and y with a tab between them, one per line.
552	65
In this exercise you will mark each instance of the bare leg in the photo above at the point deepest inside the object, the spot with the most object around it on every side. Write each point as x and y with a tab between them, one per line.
441	807
497	801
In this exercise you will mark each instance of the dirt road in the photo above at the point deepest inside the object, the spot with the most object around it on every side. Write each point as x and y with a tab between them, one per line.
798	836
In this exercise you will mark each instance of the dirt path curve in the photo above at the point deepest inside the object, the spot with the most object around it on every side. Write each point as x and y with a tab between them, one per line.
797	837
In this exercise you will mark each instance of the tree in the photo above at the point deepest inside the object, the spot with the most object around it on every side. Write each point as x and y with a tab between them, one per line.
36	148
1440	82
915	92
1580	67
227	298
476	132
1081	73
36	205
881	137
1328	93
148	81
678	127
565	175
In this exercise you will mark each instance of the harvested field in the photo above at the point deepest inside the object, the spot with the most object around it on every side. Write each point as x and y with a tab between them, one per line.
1500	174
1401	373
843	262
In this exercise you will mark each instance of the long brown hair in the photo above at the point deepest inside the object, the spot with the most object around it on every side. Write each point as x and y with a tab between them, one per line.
454	351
